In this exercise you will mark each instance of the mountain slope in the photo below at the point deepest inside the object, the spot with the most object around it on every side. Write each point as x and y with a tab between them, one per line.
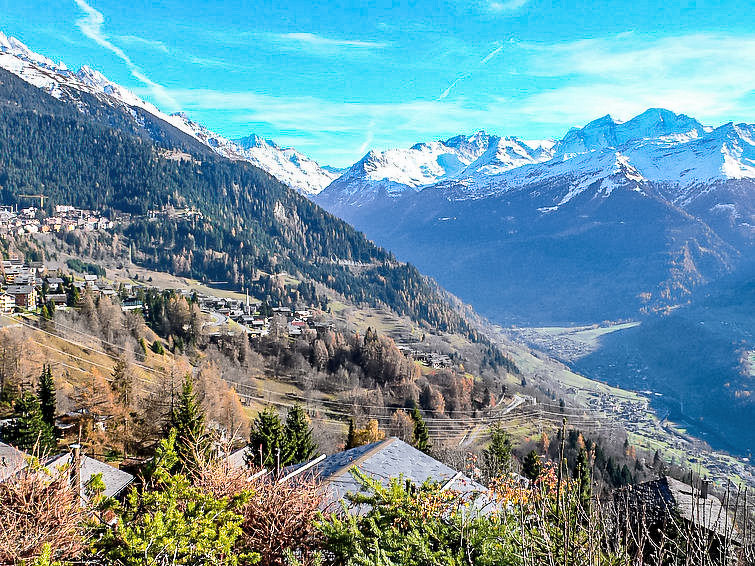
394	172
249	221
288	165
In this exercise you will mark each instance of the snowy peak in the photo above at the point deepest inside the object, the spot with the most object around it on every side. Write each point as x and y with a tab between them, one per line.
605	132
255	141
287	165
13	46
504	154
460	160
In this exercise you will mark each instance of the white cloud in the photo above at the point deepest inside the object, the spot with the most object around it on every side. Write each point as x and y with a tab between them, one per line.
505	5
492	54
141	41
485	60
91	24
568	84
319	45
705	75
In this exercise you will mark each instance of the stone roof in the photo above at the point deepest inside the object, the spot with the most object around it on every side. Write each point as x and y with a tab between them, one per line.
388	459
664	496
115	480
12	461
19	289
237	459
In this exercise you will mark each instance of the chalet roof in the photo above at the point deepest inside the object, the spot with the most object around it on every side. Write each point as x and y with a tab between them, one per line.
667	495
20	289
237	459
383	461
12	461
115	480
388	459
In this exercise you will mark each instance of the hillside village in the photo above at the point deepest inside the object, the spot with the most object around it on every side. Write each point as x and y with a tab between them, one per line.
66	218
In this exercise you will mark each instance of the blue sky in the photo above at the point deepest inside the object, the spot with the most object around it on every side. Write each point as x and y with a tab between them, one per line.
337	78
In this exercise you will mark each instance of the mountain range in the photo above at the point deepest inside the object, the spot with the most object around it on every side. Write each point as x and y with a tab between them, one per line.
650	218
288	165
613	219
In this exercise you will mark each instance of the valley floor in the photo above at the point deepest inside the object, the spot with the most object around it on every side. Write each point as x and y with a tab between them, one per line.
635	410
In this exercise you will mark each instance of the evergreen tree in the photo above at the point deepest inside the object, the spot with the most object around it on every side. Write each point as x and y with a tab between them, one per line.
267	442
301	447
172	522
30	430
351	436
421	434
72	296
497	456
46	395
582	476
188	419
532	467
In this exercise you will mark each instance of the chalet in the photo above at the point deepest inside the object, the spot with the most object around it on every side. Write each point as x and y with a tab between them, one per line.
116	481
25	296
81	469
7	302
54	283
59	299
385	460
667	503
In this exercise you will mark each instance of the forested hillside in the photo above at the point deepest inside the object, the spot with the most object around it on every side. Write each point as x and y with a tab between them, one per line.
108	160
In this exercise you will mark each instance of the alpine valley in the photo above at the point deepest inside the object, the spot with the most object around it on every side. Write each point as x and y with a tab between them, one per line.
648	222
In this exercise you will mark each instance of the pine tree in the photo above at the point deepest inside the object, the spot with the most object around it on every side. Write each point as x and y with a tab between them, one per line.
188	419
421	434
532	467
30	430
46	395
350	436
497	456
267	442
301	447
582	476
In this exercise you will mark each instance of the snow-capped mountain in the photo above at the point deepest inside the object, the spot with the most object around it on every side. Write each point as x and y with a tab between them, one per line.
614	218
656	146
286	164
395	171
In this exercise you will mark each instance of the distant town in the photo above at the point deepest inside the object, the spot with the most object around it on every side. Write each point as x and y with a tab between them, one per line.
31	220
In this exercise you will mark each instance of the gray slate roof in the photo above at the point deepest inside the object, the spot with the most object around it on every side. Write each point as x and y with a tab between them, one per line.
237	459
387	459
19	289
12	461
666	495
115	480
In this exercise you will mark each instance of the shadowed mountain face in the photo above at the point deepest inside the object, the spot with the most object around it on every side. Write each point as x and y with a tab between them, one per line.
589	260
